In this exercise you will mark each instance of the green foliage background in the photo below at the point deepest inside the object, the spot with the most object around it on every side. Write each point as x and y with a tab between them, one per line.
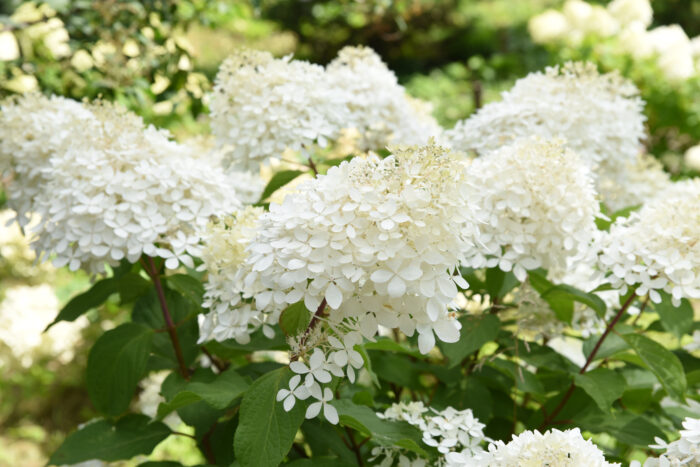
159	57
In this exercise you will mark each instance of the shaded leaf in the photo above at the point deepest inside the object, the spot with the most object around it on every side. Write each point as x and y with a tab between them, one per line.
603	385
81	304
662	362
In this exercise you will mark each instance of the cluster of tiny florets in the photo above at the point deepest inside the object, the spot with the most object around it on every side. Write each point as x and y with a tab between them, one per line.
456	434
537	207
598	115
554	447
373	242
262	106
120	190
683	451
657	248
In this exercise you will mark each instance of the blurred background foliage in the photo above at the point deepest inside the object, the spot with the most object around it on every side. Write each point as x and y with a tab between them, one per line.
159	57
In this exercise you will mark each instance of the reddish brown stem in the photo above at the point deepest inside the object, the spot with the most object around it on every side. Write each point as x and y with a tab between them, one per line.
152	271
550	419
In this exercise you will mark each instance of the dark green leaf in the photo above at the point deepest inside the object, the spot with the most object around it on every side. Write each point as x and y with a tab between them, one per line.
187	286
385	432
294	319
130	436
324	440
612	344
115	365
475	332
603	385
662	362
676	320
132	286
279	180
499	283
265	430
218	394
94	297
561	297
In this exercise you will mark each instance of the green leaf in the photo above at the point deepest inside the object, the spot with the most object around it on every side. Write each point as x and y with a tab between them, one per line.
476	331
499	283
132	435
662	362
294	319
561	298
132	286
279	180
325	441
94	297
115	365
603	385
265	430
385	432
187	286
218	394
676	320
612	344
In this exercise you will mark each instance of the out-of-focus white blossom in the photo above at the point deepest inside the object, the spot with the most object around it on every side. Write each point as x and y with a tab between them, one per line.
634	39
262	106
537	207
599	115
632	184
17	259
554	447
674	52
378	106
374	242
631	11
121	190
25	312
683	451
692	158
549	26
9	50
456	434
150	398
657	247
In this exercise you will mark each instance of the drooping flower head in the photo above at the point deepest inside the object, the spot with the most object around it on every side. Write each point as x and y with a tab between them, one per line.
598	115
658	246
633	183
537	207
554	447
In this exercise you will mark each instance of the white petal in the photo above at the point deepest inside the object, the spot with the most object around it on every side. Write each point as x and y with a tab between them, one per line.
334	297
331	414
396	287
313	410
381	276
298	367
426	342
289	403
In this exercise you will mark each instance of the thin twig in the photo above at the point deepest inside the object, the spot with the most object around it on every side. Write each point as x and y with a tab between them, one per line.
221	366
550	419
355	447
312	166
151	270
312	324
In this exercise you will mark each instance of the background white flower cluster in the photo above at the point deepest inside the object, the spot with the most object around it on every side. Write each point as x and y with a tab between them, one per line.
262	105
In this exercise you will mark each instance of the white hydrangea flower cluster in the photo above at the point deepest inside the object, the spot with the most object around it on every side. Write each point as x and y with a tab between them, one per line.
33	128
456	434
376	242
657	247
554	447
624	23
25	312
262	106
537	208
122	190
636	183
598	115
223	257
378	106
683	451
